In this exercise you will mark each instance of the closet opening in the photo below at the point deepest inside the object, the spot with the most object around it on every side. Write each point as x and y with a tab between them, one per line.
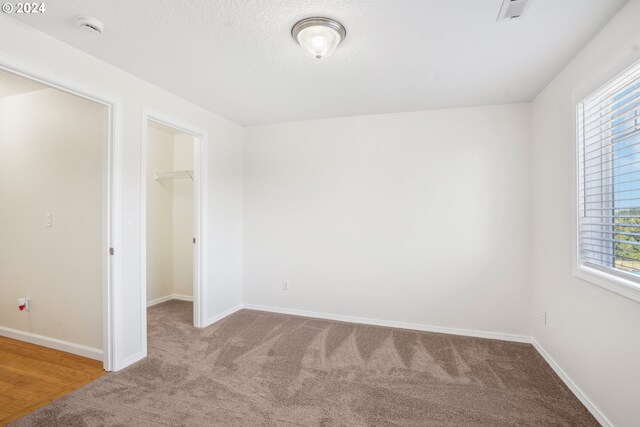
172	223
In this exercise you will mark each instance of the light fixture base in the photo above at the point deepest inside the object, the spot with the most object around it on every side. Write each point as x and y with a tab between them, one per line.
323	22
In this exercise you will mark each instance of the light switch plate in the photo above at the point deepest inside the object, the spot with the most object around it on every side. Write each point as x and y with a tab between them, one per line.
128	222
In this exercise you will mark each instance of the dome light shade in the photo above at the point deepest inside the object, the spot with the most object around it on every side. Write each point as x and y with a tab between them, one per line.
318	37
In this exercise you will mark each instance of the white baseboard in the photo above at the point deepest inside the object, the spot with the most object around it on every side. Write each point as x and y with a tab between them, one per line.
169	298
159	300
215	318
69	347
598	415
131	360
393	324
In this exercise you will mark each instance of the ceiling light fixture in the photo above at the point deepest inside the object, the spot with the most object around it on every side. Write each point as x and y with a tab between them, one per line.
318	37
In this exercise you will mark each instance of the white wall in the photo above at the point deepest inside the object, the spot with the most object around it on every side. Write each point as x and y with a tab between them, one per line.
159	215
182	217
223	224
592	333
416	217
52	146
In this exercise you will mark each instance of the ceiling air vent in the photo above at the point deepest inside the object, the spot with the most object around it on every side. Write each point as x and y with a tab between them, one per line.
512	9
90	25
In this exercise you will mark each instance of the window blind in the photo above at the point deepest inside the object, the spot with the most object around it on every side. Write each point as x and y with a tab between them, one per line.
608	130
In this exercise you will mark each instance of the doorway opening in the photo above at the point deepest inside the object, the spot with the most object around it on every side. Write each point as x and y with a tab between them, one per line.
56	162
171	189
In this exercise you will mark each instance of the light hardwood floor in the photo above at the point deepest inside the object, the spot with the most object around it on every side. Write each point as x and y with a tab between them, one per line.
32	376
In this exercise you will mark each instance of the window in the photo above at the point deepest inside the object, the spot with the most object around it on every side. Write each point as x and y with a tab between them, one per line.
608	130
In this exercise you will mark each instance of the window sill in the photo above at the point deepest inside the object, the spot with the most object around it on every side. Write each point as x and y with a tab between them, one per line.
611	282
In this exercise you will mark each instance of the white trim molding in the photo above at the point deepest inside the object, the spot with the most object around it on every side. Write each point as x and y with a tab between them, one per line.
130	360
619	282
582	397
182	297
217	317
169	298
610	282
69	347
201	140
159	300
393	324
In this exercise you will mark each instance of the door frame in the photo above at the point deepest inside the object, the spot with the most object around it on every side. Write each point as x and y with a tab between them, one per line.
111	197
200	144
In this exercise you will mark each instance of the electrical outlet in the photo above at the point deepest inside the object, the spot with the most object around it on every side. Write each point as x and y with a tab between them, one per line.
544	316
285	285
48	219
24	304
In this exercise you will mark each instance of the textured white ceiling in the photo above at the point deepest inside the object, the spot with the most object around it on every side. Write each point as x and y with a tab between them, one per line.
237	58
13	84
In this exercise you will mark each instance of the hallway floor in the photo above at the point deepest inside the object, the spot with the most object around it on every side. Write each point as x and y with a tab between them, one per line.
32	376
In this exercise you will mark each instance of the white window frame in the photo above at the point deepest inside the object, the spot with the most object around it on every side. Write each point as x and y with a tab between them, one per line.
617	281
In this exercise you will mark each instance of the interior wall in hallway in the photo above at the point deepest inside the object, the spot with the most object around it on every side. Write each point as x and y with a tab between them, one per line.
52	150
182	216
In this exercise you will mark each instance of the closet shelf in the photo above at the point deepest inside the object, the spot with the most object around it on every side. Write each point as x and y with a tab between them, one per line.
174	174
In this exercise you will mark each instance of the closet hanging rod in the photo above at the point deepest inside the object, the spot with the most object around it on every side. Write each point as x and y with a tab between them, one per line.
174	174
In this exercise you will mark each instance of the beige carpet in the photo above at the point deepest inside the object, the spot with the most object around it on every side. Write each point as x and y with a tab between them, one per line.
257	368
